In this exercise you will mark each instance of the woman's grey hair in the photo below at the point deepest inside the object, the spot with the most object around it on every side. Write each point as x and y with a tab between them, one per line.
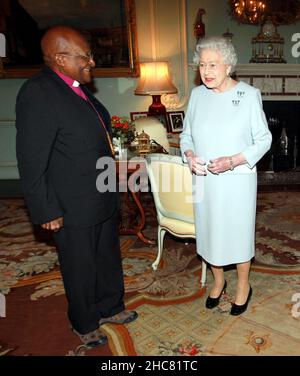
219	44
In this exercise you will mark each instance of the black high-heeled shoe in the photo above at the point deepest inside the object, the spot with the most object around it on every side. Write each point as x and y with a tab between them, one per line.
213	302
237	309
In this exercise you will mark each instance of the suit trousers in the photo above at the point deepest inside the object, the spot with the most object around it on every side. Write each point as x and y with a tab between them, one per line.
91	267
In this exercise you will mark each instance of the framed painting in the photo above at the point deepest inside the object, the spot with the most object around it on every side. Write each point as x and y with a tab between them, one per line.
110	27
137	115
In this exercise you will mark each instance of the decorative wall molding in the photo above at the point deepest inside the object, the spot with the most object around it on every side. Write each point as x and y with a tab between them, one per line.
7	122
153	28
276	81
8	161
175	101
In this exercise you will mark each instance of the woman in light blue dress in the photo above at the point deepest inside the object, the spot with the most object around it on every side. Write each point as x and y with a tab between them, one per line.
225	134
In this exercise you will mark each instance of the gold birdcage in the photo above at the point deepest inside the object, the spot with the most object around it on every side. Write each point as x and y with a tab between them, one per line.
267	46
143	146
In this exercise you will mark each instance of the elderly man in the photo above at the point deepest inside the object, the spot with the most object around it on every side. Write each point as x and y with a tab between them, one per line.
62	130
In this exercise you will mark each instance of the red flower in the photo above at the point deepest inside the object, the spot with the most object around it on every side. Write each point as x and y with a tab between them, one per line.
122	128
115	118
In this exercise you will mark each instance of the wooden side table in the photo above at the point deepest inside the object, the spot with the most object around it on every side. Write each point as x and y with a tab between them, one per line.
127	172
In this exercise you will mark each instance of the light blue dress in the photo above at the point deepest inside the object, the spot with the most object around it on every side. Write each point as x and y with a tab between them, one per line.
218	125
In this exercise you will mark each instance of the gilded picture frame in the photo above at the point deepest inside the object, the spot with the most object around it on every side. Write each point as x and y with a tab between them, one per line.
110	26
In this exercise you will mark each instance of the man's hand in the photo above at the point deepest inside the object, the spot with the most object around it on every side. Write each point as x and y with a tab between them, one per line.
54	225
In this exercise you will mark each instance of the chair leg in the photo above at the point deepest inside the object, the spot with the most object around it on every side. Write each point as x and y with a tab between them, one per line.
203	273
160	242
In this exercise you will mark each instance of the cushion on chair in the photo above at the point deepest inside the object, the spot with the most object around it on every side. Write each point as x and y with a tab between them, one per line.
172	189
178	227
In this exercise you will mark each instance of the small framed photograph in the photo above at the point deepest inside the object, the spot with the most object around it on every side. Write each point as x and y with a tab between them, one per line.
137	115
176	121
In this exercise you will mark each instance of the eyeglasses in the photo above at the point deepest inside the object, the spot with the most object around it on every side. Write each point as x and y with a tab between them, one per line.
89	56
210	66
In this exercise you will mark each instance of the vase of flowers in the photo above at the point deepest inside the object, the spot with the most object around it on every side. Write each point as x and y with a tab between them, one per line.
123	130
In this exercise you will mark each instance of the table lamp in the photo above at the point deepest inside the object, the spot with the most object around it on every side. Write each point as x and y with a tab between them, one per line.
155	80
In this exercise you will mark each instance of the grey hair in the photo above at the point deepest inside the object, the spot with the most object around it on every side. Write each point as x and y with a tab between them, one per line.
219	44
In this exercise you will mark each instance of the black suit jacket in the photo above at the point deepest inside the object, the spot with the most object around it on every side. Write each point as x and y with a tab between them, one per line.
59	140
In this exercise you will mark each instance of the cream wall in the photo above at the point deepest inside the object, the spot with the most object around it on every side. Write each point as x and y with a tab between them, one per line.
165	31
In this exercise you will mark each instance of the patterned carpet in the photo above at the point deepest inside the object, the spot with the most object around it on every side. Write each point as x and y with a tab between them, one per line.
173	320
170	302
278	230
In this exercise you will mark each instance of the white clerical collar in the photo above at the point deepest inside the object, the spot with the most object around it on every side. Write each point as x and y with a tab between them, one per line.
75	83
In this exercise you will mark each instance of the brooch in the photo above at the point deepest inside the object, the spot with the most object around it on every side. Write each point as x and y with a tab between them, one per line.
235	102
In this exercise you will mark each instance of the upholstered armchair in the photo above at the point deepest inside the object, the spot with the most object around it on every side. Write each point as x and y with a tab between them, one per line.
171	185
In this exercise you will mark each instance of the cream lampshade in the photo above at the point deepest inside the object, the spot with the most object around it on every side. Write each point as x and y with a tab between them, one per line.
155	80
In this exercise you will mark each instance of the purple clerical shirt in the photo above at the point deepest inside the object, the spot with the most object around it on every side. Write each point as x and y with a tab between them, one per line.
74	85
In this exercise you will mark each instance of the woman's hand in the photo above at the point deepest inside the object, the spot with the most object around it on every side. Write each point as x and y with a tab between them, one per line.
196	164
221	164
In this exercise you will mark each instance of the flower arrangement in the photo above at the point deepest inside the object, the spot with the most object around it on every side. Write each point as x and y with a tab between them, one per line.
123	129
